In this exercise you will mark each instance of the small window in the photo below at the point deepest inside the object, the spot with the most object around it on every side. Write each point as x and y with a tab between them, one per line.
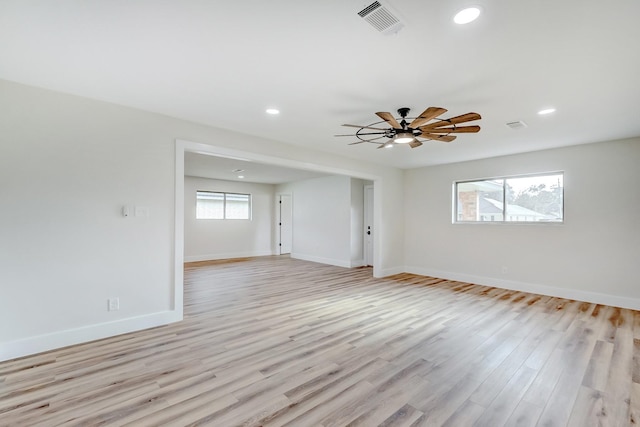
531	198
213	205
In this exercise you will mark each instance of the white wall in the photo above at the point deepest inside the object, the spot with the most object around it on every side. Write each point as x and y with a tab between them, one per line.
207	239
593	256
328	219
321	219
67	165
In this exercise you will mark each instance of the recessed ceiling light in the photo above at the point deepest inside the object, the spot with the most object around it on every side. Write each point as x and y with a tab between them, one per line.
547	111
273	111
466	15
241	176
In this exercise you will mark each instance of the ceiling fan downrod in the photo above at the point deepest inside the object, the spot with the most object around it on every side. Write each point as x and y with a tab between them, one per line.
404	111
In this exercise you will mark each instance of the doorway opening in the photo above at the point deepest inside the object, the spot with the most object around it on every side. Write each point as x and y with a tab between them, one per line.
183	146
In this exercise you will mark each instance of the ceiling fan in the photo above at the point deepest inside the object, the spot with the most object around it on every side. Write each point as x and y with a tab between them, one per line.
426	126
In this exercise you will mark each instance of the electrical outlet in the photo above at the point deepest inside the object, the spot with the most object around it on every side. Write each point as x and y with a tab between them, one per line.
113	304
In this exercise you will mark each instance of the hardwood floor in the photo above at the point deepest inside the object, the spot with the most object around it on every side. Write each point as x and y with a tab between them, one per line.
274	341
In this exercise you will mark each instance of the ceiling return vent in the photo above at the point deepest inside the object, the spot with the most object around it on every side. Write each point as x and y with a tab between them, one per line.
517	124
381	18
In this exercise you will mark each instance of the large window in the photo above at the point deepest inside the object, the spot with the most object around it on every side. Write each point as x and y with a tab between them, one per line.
530	198
212	205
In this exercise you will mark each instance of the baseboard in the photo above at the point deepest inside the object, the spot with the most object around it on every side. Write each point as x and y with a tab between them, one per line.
41	343
514	285
348	264
388	272
321	260
231	255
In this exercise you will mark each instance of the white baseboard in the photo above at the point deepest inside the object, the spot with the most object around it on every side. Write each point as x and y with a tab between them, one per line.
514	285
349	264
40	343
321	260
231	255
388	272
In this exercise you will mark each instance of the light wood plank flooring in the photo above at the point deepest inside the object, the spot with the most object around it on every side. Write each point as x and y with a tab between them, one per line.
274	341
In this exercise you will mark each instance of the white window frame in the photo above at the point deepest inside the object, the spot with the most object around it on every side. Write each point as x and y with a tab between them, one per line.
224	205
504	179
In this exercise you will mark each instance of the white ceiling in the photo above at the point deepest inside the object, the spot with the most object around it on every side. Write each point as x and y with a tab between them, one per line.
222	63
201	165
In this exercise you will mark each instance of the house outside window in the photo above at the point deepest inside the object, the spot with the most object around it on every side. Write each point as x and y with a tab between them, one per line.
530	198
217	205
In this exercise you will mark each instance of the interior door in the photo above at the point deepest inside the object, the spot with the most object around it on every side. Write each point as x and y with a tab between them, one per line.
368	225
285	224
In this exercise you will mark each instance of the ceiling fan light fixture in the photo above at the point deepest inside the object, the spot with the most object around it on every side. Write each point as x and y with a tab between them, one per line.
422	126
467	15
403	138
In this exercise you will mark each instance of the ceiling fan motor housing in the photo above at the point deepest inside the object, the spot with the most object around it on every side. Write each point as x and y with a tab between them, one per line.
403	111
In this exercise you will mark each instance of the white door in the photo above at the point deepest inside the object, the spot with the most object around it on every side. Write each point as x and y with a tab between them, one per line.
368	225
285	224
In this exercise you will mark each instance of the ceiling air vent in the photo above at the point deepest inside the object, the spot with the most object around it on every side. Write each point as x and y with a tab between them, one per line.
381	18
517	125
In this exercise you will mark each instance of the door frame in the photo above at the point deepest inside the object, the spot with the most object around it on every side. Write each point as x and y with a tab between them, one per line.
279	221
369	210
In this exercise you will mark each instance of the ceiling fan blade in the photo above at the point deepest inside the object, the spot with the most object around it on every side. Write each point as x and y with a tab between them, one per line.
367	140
442	138
469	117
363	127
375	139
458	129
426	116
387	117
363	133
415	144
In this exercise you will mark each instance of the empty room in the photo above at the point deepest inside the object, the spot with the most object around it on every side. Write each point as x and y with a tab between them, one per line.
338	213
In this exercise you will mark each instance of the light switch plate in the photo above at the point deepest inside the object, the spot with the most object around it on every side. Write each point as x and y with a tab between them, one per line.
113	304
142	211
